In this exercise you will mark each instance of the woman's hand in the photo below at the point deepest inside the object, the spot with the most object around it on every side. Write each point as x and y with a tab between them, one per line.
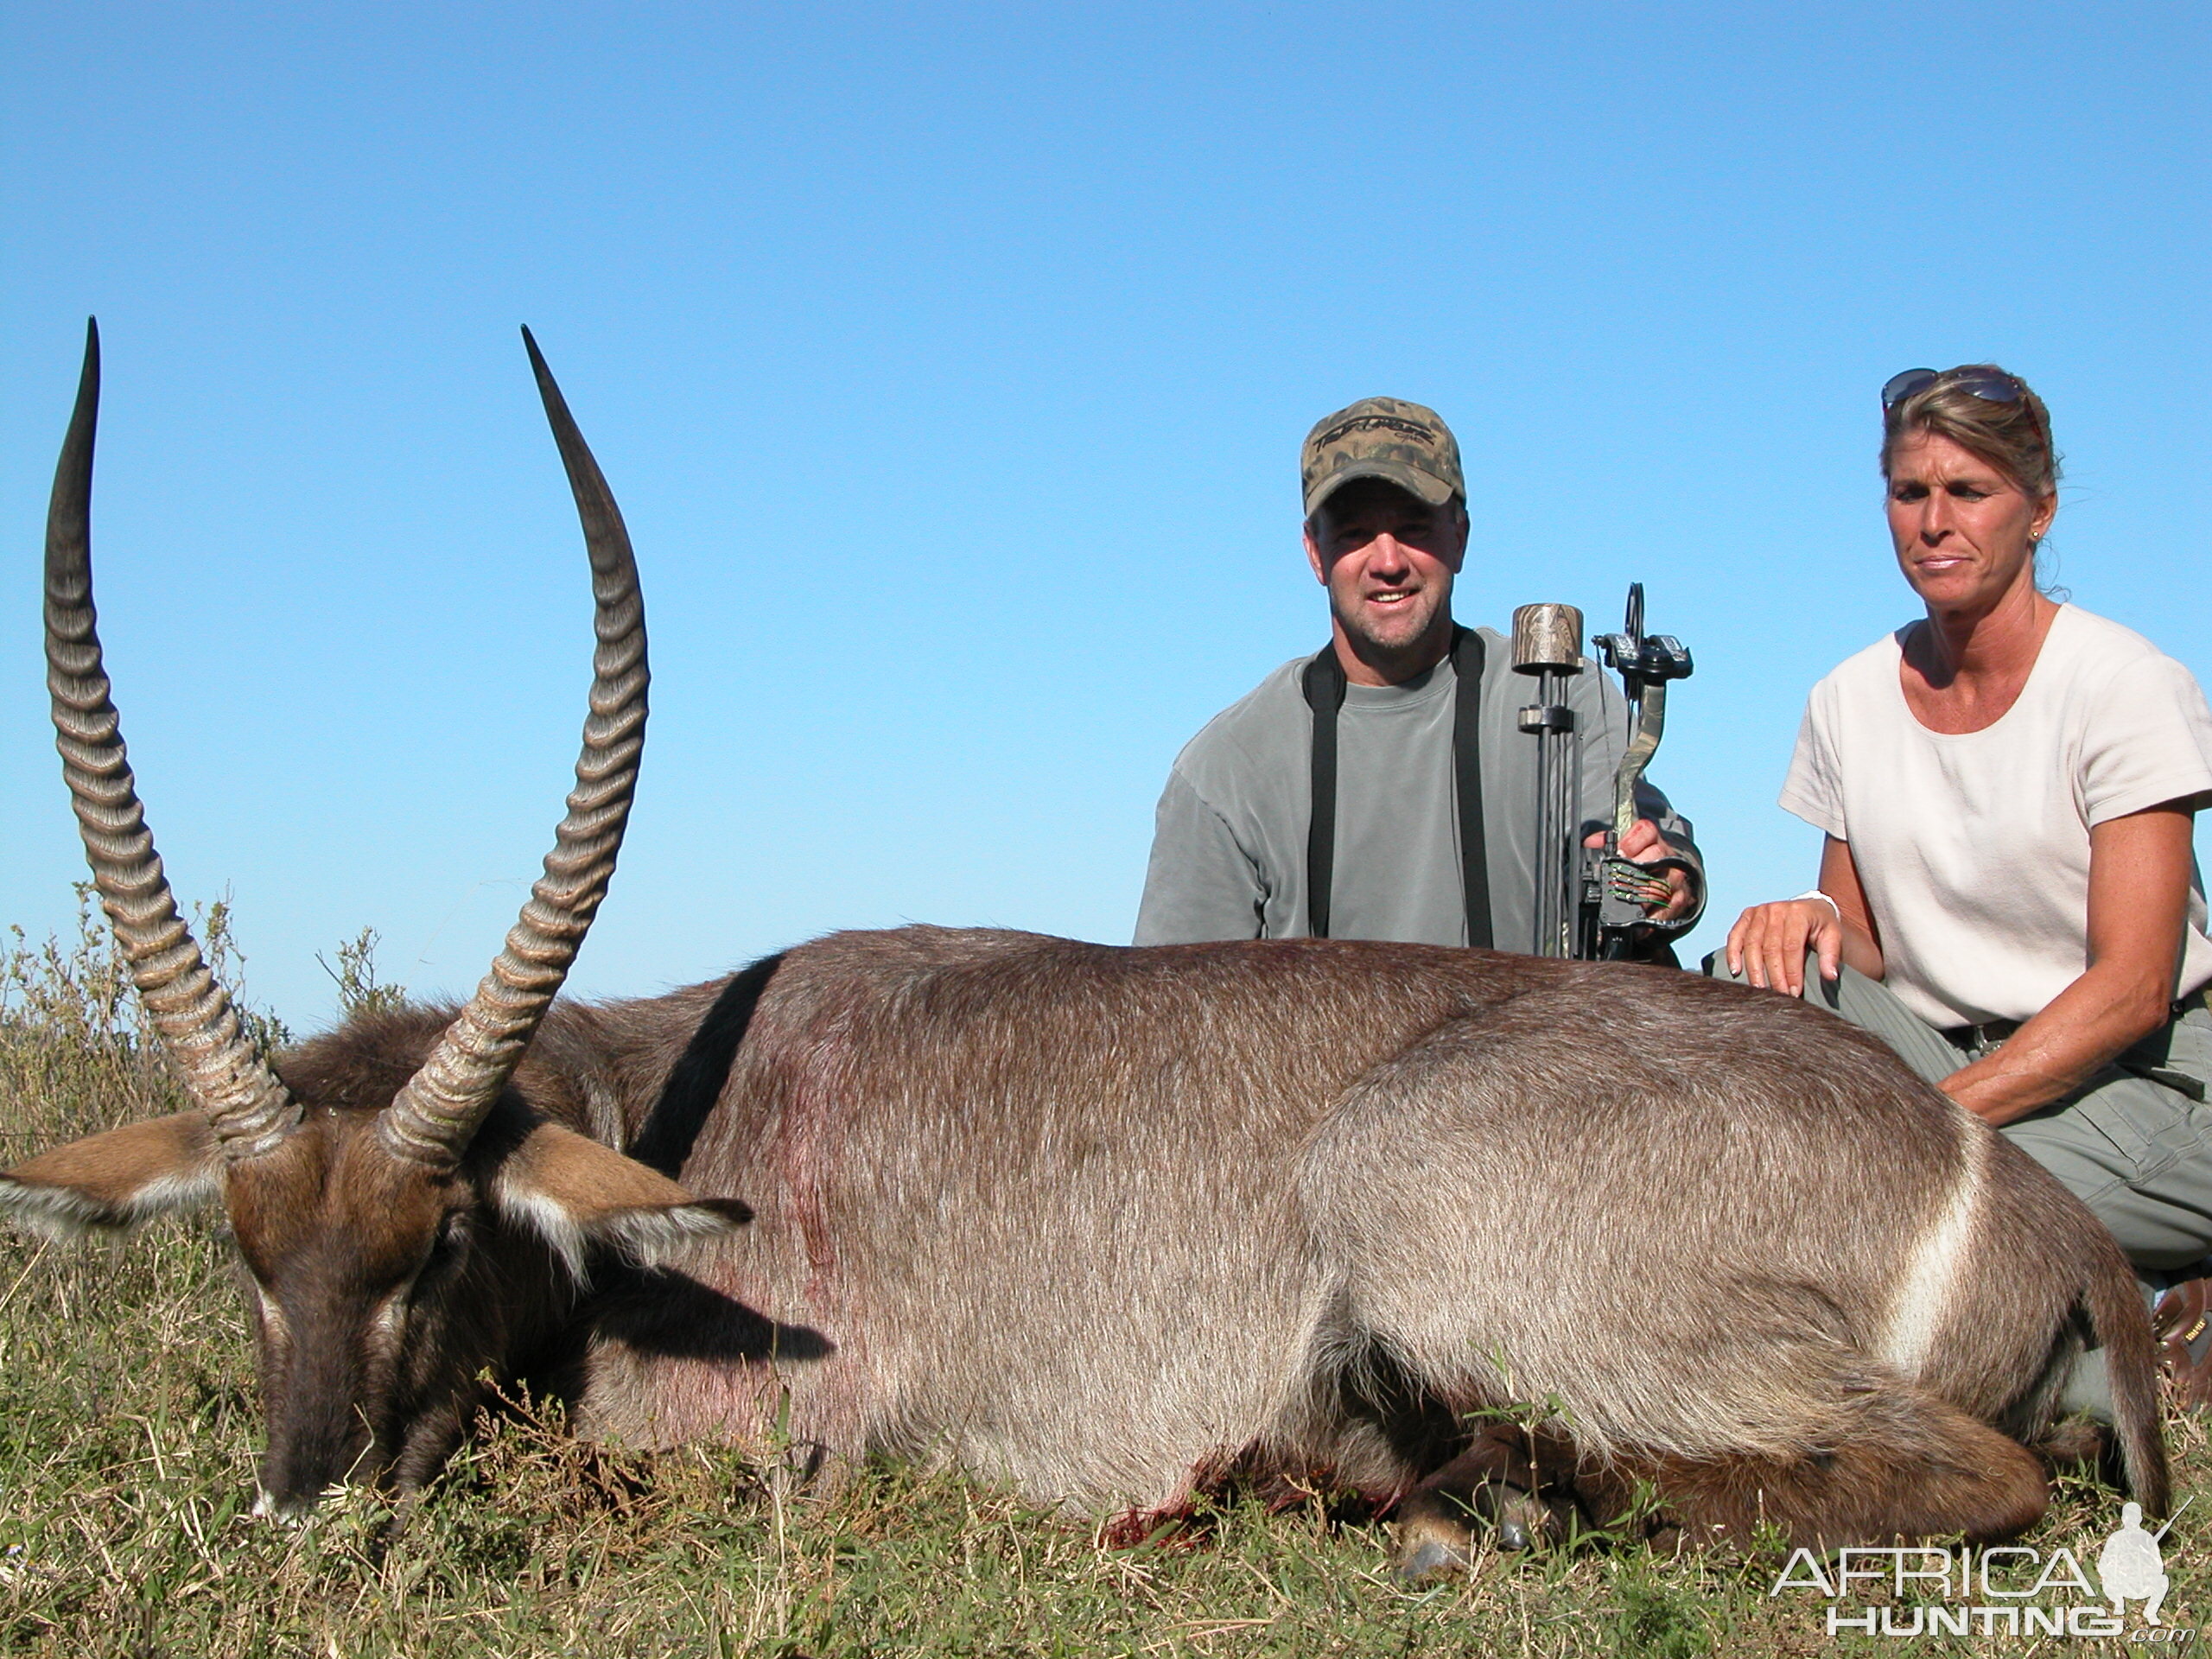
1769	944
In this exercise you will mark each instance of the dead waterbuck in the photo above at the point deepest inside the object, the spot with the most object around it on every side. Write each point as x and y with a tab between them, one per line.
1457	1228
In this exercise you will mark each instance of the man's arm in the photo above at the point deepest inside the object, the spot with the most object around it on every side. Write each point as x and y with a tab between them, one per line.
1672	837
1660	832
1200	884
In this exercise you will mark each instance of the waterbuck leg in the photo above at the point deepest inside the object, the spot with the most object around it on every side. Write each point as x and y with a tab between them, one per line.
1909	1466
1914	1467
1519	1481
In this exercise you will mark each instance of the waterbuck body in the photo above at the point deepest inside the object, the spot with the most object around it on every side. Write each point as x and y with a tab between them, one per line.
1110	1224
1452	1227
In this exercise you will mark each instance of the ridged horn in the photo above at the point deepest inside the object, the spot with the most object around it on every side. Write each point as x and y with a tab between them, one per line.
436	1114
220	1067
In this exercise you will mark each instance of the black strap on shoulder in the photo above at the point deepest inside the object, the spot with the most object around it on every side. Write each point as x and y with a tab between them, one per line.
1467	776
1323	682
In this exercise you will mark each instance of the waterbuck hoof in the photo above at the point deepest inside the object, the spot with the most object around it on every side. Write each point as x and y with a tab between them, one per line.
1429	1557
1520	1520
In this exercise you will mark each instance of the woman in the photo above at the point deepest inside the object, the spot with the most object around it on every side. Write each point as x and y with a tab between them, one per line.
2007	895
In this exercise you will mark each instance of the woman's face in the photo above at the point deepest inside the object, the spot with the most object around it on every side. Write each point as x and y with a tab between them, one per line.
1965	533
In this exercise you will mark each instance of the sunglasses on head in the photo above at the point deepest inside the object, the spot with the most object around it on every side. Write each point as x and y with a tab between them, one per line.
1991	388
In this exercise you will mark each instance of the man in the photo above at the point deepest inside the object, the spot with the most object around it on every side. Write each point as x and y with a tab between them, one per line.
1413	752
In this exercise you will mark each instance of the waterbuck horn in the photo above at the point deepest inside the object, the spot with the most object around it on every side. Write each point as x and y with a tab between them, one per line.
220	1067
436	1114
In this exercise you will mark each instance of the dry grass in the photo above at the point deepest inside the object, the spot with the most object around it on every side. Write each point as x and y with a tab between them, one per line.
129	1425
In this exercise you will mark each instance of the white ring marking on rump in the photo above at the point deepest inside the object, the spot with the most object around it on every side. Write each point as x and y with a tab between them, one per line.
1930	1277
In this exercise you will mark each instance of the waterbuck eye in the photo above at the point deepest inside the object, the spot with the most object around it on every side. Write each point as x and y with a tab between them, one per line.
453	1233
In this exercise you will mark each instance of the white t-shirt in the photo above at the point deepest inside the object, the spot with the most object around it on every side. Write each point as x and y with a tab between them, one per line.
1974	848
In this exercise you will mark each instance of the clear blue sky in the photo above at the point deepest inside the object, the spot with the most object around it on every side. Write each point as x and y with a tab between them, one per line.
951	364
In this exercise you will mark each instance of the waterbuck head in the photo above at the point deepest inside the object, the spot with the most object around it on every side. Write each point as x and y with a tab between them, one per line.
408	1223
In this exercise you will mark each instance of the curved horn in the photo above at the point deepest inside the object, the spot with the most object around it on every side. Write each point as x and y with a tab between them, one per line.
226	1074
434	1117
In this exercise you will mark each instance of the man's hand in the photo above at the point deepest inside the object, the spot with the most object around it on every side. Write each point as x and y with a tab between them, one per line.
1769	942
1644	845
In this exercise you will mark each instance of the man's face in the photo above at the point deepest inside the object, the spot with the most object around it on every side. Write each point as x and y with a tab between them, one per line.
1387	559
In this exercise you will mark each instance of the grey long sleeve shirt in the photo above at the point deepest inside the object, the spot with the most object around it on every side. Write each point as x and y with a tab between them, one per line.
1228	848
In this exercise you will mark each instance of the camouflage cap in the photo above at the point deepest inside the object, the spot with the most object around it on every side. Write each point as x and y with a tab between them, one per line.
1382	437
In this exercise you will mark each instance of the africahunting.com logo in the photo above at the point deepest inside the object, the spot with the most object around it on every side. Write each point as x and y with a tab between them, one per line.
1997	1590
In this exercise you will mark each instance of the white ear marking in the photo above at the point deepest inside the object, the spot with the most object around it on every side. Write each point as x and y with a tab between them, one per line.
66	1212
545	1216
573	1192
647	1235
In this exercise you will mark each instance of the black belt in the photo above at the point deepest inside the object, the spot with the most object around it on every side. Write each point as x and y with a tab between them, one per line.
1990	1033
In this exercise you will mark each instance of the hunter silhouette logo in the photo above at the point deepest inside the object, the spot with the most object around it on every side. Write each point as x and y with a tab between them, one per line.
2130	1568
1998	1589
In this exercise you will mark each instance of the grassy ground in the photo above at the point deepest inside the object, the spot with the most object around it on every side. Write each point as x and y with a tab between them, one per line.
129	1425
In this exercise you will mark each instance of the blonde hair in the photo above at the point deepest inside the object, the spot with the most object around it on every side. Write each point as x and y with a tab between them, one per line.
2012	437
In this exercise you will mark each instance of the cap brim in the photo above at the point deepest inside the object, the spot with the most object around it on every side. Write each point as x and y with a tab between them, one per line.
1425	487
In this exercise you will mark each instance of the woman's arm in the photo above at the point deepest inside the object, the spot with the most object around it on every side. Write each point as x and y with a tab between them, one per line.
1768	942
2139	895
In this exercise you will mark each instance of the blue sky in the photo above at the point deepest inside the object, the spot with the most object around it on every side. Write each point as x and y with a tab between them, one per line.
951	363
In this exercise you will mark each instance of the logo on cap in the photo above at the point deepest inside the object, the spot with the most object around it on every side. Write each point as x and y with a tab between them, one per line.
1403	443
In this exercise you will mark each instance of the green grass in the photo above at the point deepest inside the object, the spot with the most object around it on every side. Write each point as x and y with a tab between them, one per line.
129	1425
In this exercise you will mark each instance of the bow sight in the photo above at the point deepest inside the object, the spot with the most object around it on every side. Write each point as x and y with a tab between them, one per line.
1591	902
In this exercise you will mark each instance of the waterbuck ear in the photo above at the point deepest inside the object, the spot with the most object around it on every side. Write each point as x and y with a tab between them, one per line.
572	1191
116	1180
